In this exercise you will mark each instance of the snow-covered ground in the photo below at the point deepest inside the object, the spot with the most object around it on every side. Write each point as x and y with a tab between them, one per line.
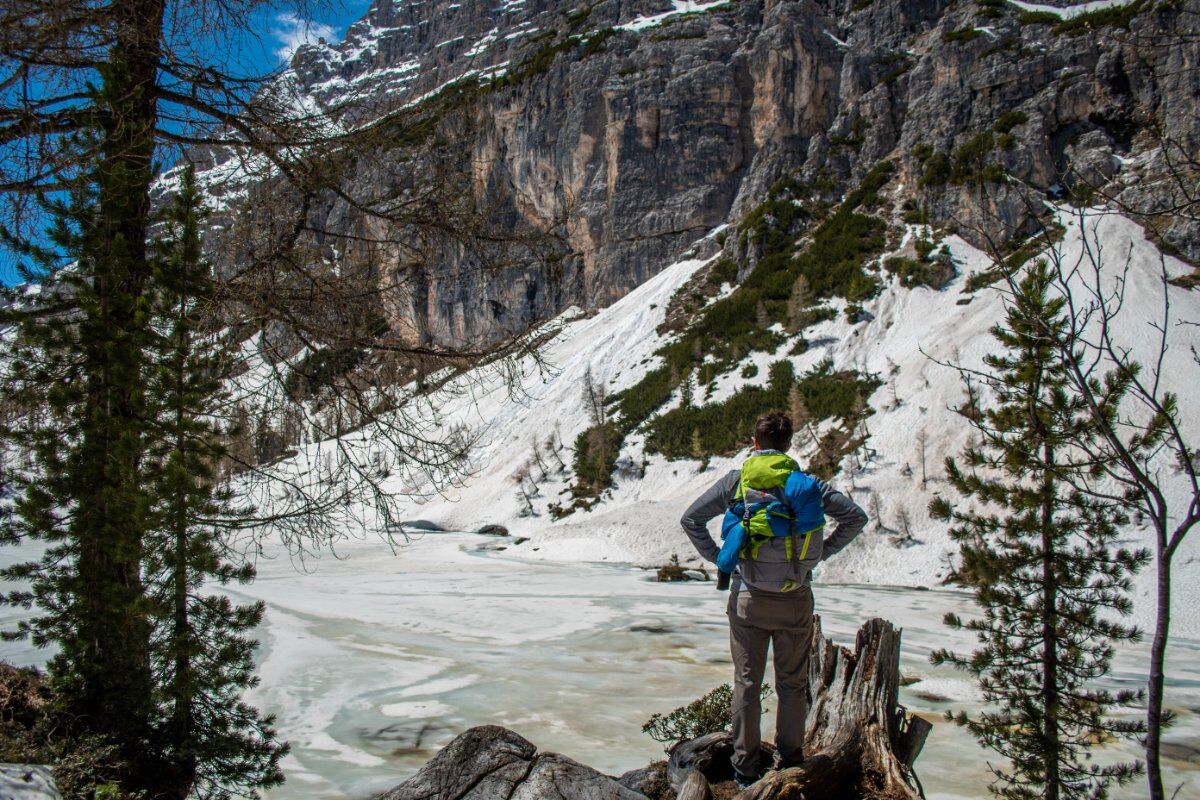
908	331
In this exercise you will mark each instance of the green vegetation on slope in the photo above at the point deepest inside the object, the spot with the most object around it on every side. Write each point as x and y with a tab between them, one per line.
778	293
724	428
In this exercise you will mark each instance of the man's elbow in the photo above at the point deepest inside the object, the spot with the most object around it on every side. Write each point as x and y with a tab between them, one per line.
695	530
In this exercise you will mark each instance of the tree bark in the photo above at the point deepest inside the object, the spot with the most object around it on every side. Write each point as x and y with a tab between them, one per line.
1158	652
1050	696
695	788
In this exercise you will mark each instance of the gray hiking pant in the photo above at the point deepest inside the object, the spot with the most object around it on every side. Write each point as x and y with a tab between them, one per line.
785	622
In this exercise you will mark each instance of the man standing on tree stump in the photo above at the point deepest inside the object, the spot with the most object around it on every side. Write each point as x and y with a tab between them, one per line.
773	535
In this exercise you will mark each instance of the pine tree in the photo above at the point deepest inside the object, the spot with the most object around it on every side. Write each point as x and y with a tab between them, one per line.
77	357
1047	574
697	449
213	744
594	400
686	394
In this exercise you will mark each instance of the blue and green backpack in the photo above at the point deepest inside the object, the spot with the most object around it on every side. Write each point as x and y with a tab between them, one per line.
774	500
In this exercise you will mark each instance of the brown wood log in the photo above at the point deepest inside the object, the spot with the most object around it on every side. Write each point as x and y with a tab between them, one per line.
695	787
709	755
860	743
856	731
913	739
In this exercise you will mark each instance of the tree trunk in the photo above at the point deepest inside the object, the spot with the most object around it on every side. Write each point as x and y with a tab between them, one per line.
110	650
1158	652
1050	697
107	659
861	742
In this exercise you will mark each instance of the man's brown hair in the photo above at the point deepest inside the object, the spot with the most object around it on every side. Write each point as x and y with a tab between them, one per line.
773	431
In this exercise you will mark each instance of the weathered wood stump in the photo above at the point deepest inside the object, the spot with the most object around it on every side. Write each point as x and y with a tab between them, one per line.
860	743
710	755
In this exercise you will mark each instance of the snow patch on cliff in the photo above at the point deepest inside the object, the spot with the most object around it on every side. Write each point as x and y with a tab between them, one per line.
1067	12
680	7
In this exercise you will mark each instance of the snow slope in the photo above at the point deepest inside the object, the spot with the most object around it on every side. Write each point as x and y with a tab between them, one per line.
906	334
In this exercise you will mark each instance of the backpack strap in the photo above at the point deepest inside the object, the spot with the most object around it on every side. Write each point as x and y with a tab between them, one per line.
808	539
792	546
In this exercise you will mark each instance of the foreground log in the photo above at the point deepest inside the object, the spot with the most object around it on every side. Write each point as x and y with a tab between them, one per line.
860	743
696	787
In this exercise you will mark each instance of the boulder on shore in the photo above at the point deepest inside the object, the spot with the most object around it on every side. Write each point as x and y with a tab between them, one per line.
420	525
645	779
493	763
27	782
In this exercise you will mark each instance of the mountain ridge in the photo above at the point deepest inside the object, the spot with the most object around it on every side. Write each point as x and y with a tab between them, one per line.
642	126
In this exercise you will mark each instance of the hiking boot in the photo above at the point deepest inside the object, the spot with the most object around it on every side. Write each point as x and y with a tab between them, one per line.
743	781
779	763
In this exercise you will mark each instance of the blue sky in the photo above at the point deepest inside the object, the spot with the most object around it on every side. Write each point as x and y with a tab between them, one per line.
273	35
284	30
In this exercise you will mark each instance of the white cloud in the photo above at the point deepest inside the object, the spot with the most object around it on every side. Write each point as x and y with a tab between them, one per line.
292	30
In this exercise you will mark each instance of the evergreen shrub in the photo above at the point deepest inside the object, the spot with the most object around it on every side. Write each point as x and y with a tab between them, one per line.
710	713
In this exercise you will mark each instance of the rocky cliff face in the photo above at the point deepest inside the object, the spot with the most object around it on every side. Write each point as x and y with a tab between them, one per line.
637	127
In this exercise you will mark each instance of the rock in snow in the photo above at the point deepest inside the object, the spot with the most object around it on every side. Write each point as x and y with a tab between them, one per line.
420	525
641	780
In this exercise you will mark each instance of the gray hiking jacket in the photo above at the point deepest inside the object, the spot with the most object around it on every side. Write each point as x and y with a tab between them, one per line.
772	568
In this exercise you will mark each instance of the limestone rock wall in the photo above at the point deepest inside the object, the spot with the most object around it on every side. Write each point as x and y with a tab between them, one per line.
641	139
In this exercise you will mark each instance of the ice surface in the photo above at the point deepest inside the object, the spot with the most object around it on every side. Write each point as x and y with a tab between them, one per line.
27	782
375	661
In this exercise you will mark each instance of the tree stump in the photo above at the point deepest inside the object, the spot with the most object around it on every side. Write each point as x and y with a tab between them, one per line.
695	788
710	755
860	743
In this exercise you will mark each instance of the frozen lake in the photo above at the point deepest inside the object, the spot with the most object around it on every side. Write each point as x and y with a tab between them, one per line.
372	662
